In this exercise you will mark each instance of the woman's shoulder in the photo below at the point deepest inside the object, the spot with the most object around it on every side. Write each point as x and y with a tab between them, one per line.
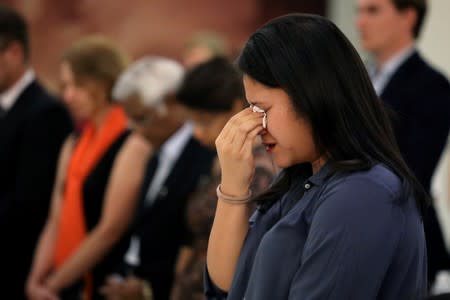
377	186
135	147
136	143
378	177
68	145
361	198
70	140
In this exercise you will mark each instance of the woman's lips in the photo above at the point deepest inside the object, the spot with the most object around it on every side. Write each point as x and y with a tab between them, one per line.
269	146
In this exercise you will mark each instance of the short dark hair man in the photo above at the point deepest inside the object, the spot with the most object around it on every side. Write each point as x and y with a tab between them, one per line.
33	126
418	94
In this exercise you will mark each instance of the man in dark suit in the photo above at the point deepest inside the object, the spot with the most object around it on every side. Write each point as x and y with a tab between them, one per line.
418	95
162	226
33	126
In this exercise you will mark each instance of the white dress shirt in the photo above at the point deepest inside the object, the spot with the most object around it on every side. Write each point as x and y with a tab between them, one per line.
380	76
10	96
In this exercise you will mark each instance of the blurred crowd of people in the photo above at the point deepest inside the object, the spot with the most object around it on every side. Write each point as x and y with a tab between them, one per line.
108	190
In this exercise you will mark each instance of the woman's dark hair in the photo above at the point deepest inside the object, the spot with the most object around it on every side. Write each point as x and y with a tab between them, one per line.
211	86
311	59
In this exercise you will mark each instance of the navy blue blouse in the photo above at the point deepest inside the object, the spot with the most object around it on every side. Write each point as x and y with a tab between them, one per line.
353	236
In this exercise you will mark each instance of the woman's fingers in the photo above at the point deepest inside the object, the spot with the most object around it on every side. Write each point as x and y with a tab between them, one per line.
234	149
228	128
242	129
247	147
236	130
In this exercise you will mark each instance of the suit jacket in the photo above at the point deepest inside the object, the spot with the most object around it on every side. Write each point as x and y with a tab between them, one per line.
420	98
162	226
31	134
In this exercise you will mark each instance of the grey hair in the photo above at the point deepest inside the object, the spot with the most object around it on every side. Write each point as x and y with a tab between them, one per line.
151	78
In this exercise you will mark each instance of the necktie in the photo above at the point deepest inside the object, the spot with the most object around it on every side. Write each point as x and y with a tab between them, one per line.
149	176
151	172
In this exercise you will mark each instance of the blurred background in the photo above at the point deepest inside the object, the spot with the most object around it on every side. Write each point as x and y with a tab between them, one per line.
162	27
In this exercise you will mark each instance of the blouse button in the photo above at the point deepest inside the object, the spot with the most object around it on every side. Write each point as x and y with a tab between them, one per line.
307	186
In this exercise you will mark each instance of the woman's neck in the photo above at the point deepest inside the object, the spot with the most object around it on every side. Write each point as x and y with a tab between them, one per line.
318	164
100	116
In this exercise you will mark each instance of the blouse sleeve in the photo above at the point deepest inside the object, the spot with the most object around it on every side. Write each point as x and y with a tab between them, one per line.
212	292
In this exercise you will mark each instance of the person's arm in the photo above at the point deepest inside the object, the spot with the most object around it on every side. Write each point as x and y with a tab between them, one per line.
234	148
353	236
185	256
129	288
118	209
42	262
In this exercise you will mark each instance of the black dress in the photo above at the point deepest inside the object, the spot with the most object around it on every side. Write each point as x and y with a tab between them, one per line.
93	200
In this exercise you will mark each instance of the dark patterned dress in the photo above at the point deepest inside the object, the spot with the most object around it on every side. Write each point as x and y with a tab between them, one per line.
200	217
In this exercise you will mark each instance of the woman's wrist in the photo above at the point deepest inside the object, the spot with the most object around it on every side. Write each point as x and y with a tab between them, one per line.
51	284
234	198
229	187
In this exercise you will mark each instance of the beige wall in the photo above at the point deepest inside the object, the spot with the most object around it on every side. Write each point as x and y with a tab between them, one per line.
143	27
435	38
140	27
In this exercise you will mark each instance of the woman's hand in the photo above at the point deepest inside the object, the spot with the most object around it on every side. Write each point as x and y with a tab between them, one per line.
129	288
112	288
133	289
38	291
234	148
